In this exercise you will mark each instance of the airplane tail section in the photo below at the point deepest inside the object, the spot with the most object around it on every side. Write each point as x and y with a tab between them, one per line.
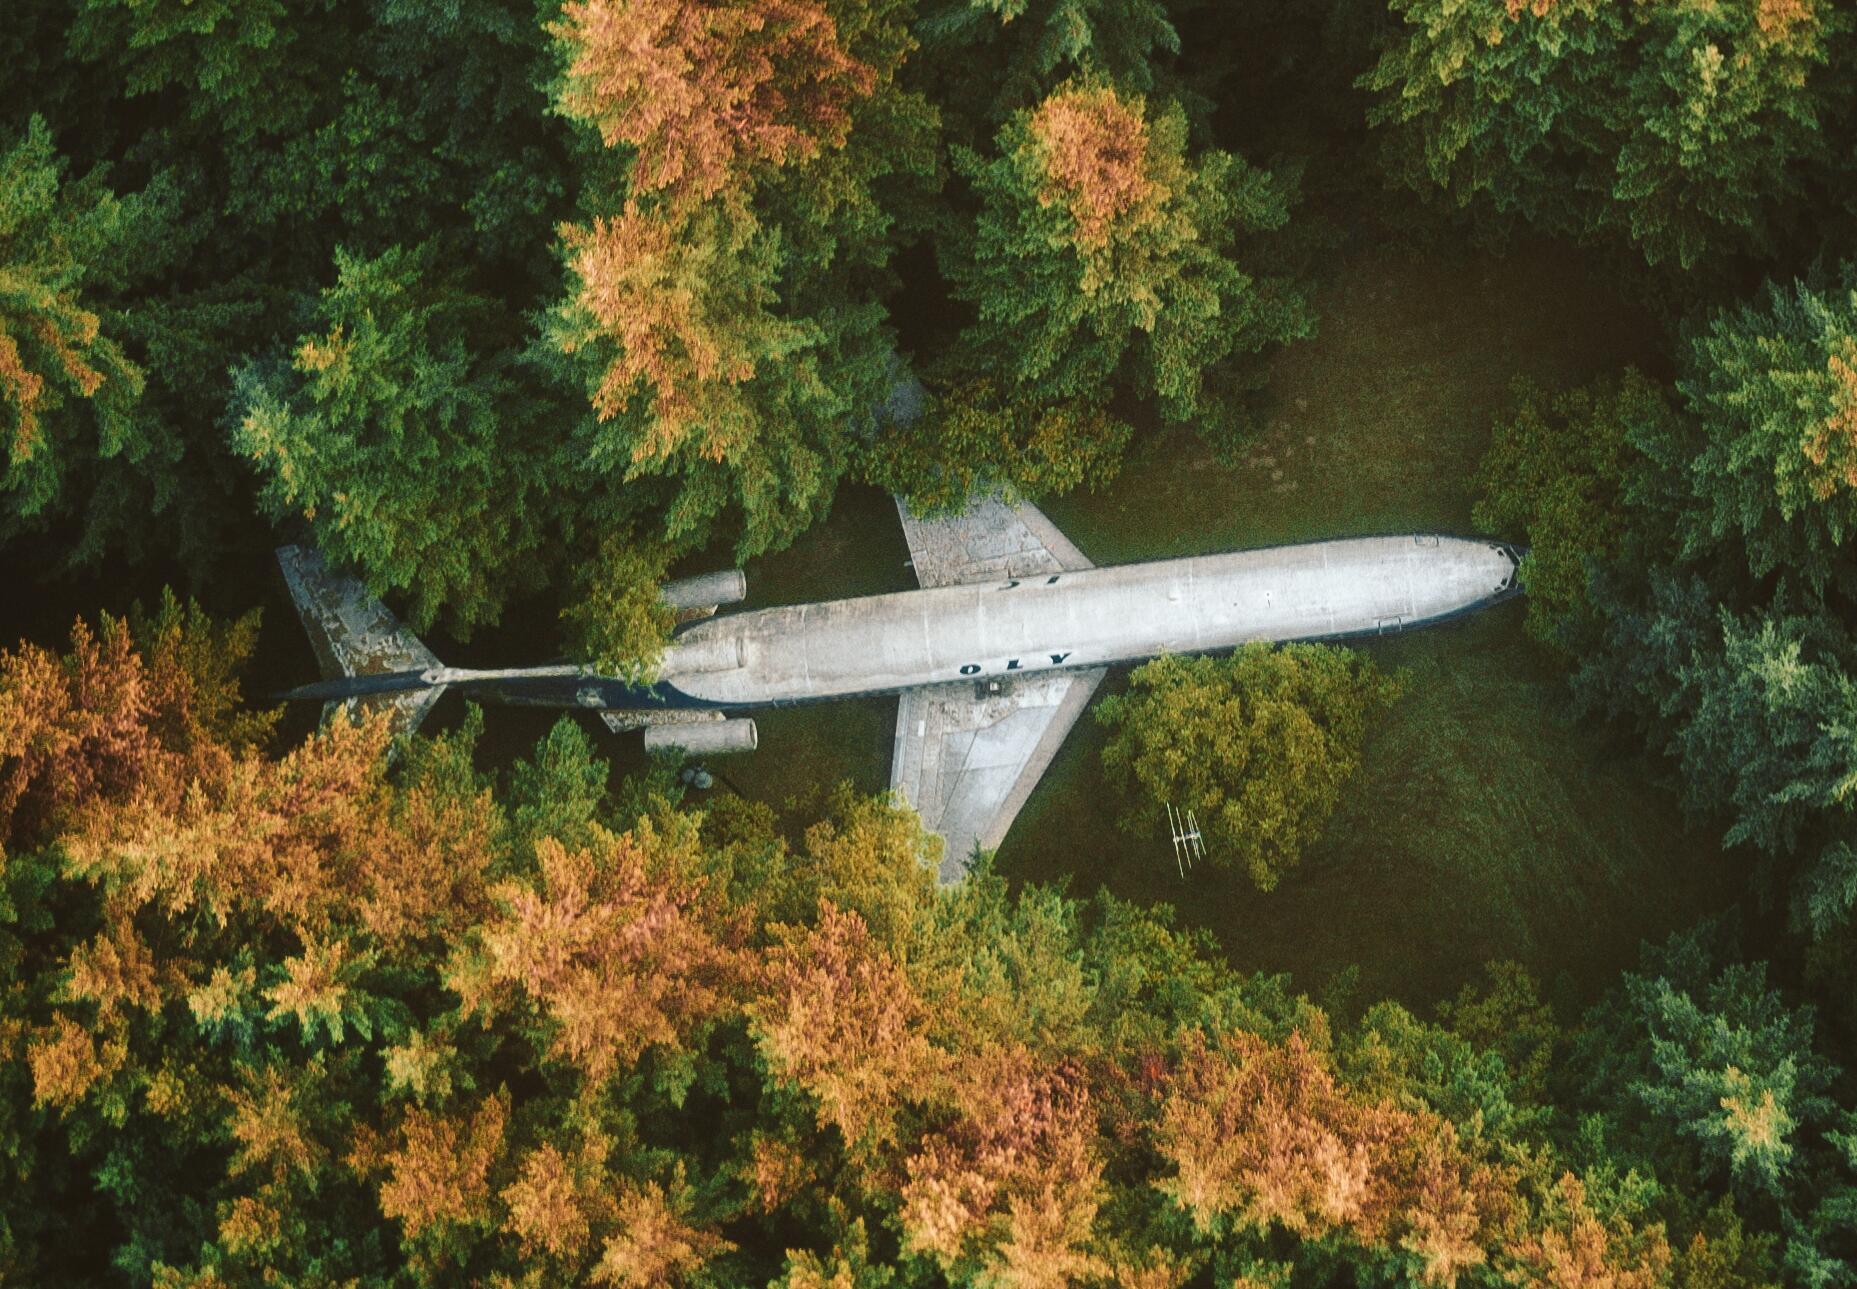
369	661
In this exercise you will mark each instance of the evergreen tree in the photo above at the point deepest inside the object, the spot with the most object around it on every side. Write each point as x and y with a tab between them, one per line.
1773	392
1105	261
239	65
69	393
1699	1065
398	432
1686	129
1773	730
997	57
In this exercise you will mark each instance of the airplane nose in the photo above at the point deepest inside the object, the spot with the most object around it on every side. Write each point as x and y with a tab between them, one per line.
1515	555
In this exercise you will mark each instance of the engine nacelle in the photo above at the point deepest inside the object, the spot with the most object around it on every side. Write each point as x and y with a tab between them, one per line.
687	657
699	596
704	738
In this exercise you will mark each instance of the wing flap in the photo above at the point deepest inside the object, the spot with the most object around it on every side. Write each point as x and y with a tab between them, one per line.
968	763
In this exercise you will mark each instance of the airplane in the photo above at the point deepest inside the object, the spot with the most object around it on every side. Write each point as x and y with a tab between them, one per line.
993	659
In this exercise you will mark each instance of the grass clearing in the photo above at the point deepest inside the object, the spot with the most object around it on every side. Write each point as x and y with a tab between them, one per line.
1482	825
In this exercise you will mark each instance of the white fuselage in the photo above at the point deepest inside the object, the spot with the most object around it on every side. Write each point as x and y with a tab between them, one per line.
883	643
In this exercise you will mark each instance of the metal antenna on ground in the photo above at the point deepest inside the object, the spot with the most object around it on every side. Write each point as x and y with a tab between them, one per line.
1187	843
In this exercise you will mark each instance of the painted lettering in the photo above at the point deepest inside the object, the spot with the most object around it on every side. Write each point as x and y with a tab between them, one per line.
1058	658
971	669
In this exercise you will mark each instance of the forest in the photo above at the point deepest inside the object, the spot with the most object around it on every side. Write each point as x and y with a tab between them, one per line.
1530	957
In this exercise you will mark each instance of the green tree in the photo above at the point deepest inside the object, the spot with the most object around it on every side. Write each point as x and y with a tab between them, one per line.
618	622
278	132
1758	712
69	394
1774	731
398	434
974	441
1104	261
1773	391
1700	1066
1504	1014
996	57
1555	473
1685	129
1722	120
1258	745
237	62
1772	742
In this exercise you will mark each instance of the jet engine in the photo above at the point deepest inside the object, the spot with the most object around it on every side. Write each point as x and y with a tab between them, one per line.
704	738
697	597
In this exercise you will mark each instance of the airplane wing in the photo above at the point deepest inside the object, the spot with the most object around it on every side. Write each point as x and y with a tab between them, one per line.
354	634
988	540
968	755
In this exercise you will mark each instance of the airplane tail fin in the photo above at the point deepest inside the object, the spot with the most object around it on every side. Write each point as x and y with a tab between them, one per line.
368	660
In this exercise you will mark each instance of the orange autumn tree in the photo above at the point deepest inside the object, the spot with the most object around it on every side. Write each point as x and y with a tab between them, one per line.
1011	1189
1095	156
437	1168
841	1021
621	946
708	315
321	1015
136	702
683	307
70	729
1260	1133
1265	1134
704	90
1568	1245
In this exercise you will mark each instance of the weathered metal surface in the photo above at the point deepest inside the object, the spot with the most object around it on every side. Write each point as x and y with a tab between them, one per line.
968	756
624	721
703	738
969	764
706	591
1016	625
988	541
354	634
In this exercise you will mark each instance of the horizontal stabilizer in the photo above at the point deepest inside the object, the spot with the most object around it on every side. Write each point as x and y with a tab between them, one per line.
360	645
339	688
